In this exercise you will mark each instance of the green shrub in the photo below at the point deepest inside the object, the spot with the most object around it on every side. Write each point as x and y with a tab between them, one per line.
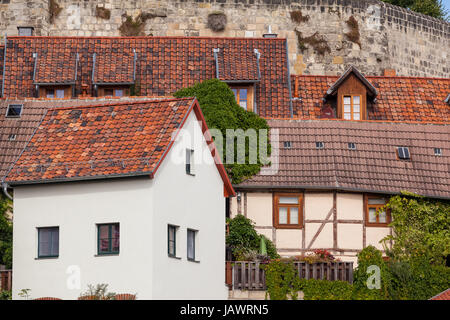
244	240
222	112
5	233
280	277
5	295
324	289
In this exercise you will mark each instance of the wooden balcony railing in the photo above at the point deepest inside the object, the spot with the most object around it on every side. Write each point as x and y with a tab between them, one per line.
244	275
5	280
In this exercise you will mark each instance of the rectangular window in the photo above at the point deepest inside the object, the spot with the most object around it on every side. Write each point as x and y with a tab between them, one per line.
14	111
241	95
172	240
108	238
25	31
60	93
48	242
376	215
403	153
190	169
288	210
113	92
352	107
191	236
50	93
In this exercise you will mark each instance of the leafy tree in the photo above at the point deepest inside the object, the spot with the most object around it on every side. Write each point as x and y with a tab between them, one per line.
243	238
433	8
5	233
222	112
421	227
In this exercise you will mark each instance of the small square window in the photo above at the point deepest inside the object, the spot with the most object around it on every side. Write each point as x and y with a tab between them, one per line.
376	214
14	111
320	145
352	146
172	240
48	242
60	93
190	162
12	137
25	31
191	237
287	144
50	93
437	151
403	153
108	236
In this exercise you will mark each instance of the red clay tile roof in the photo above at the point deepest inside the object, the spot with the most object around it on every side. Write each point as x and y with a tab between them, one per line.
399	98
372	167
164	64
233	67
32	112
112	68
91	142
445	295
55	67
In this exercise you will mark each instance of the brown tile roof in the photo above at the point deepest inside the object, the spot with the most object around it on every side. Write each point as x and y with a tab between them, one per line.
32	112
55	67
372	167
399	98
445	295
113	140
112	68
233	67
164	64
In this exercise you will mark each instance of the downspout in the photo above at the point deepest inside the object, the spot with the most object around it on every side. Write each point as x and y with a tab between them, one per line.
258	56
289	81
134	65
5	190
35	56
216	58
76	75
93	73
4	65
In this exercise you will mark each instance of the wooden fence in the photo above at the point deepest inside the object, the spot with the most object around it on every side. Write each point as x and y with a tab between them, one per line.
5	280
251	276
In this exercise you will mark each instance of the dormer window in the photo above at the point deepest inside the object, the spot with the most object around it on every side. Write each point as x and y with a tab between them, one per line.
244	97
14	111
118	91
352	107
55	92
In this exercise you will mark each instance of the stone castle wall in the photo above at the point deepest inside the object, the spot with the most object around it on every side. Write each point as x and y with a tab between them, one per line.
389	37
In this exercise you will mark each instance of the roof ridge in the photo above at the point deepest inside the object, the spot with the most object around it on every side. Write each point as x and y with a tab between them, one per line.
145	37
375	77
122	103
362	121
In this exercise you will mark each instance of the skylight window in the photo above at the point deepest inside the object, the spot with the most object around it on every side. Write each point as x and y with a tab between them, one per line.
287	144
437	151
320	145
352	146
12	137
14	111
403	153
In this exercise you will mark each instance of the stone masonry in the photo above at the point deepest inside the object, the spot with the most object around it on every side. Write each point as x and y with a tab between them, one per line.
389	37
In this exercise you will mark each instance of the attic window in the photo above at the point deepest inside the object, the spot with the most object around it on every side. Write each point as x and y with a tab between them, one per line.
25	31
287	144
437	151
14	111
320	145
352	146
403	153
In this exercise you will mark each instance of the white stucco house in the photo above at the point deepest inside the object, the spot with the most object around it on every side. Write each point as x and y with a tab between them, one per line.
130	194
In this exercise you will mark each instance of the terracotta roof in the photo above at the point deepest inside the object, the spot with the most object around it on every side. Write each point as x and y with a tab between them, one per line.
32	112
372	167
399	98
103	141
112	68
164	64
232	67
55	67
445	295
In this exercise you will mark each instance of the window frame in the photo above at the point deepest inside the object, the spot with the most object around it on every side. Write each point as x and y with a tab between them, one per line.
125	91
277	205
367	206
403	148
351	107
39	229
249	99
175	229
195	232
190	164
14	116
110	238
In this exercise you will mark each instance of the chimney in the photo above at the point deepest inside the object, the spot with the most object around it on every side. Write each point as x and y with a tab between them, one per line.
269	33
389	73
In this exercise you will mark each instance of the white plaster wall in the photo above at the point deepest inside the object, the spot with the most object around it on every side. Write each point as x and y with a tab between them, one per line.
194	202
374	235
349	206
289	238
350	236
259	208
325	238
317	205
76	208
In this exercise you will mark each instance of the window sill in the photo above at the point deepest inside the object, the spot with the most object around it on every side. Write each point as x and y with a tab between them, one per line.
46	258
379	225
174	257
288	227
193	260
106	254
